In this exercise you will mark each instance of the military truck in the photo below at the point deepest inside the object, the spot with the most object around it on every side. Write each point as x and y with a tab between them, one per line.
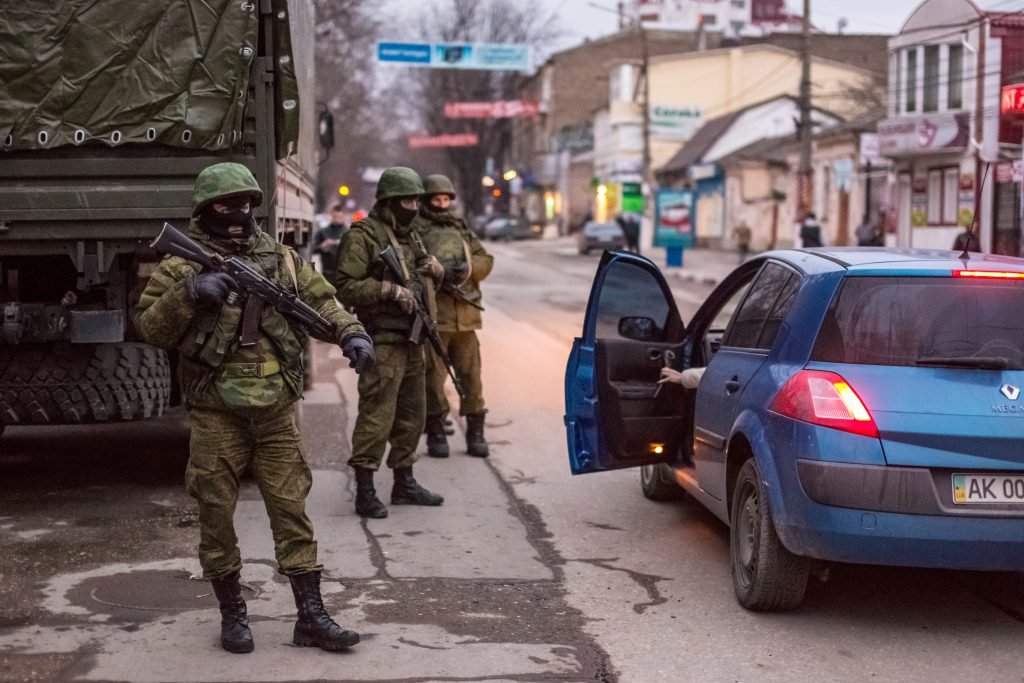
108	110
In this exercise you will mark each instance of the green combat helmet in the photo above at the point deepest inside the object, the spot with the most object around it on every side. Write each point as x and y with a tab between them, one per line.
399	181
438	184
221	181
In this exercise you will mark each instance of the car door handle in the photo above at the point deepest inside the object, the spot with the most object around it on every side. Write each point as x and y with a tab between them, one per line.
733	385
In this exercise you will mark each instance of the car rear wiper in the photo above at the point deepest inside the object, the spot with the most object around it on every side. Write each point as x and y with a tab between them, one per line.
976	362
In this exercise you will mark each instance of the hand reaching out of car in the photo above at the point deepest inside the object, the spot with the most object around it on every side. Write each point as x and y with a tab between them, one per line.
670	375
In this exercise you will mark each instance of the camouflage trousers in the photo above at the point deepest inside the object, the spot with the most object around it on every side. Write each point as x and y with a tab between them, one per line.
223	444
392	408
464	352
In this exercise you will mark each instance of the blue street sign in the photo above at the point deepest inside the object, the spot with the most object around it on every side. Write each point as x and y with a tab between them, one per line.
487	56
404	53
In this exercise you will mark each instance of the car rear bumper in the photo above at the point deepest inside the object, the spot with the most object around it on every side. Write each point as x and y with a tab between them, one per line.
870	514
887	538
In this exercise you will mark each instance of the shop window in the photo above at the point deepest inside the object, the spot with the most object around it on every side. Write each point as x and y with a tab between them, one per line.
954	94
950	195
934	197
911	92
931	78
943	193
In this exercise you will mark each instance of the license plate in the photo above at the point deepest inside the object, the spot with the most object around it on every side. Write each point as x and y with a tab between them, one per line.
969	489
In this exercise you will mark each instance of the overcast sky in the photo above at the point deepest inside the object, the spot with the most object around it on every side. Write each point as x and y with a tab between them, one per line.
864	16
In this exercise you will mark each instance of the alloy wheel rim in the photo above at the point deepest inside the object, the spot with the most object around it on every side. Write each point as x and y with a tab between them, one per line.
747	528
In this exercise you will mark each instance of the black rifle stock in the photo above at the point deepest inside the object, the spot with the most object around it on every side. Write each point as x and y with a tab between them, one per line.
174	242
423	320
453	291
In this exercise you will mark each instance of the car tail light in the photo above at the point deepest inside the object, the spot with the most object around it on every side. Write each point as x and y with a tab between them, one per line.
988	274
825	399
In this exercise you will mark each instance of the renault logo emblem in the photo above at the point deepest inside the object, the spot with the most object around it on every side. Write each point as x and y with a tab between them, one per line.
1009	391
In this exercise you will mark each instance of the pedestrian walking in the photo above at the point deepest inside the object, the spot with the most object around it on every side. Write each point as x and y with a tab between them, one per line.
328	239
630	226
966	241
810	232
466	263
743	235
868	234
240	396
392	395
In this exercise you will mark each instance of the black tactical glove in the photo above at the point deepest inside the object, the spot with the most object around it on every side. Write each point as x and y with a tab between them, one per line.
358	348
210	289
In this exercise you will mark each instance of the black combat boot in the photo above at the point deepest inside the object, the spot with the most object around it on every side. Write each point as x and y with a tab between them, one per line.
437	441
476	444
407	492
235	635
315	628
367	502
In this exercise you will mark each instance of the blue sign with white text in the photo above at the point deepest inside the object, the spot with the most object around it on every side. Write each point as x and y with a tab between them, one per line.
404	53
484	56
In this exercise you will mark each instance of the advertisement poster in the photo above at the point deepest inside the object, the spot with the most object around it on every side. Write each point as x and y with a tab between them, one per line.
673	219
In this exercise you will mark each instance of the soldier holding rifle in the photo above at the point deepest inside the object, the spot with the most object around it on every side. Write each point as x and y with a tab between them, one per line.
392	399
238	306
466	263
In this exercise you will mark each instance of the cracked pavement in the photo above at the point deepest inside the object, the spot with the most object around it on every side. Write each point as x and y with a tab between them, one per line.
525	573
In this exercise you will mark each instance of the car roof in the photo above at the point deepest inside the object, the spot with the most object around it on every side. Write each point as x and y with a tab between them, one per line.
890	261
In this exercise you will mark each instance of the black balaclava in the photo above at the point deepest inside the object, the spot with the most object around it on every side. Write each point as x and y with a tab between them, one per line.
403	216
217	224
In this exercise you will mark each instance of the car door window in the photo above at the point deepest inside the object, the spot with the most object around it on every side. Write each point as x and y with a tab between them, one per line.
779	311
750	320
630	291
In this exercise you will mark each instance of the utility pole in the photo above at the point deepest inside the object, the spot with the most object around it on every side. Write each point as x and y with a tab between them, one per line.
805	180
645	111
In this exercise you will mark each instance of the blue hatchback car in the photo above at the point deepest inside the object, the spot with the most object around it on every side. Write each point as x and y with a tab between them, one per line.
848	405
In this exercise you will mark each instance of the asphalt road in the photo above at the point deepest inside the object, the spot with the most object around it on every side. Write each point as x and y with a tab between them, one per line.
525	574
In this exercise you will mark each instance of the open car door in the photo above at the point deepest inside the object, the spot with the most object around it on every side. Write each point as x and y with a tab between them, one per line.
616	413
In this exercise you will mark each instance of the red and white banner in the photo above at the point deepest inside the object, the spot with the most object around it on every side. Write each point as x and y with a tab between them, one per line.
451	140
507	109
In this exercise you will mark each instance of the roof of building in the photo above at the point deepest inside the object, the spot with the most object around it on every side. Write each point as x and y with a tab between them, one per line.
868	51
694	150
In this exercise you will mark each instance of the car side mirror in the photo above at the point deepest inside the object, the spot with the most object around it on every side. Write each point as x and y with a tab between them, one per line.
639	329
325	128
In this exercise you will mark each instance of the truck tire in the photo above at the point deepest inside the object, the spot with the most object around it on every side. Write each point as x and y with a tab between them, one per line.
82	383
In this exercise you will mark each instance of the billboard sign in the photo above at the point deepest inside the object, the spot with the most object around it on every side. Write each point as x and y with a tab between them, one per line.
673	218
506	109
485	56
675	123
448	140
934	132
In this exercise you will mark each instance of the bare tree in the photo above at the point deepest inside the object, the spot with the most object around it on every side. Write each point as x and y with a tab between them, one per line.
427	90
346	32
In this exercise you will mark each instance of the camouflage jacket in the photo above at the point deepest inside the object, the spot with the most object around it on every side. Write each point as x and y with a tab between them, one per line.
361	272
453	244
214	370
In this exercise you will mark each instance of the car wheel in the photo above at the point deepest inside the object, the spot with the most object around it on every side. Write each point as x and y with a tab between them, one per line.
657	483
765	576
584	251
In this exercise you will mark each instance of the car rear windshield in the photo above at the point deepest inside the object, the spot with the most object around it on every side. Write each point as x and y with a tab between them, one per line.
925	321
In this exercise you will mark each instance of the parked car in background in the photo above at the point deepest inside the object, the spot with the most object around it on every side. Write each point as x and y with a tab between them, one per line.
595	235
512	228
848	405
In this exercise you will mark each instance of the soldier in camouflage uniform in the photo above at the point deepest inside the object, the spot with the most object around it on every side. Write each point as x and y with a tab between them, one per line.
392	402
240	397
466	263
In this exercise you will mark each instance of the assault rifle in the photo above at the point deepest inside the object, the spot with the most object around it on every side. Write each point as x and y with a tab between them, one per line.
452	290
423	322
249	279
